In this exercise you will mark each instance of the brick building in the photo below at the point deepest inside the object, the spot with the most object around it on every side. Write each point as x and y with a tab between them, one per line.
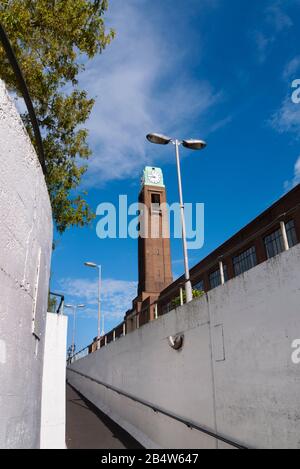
272	232
275	230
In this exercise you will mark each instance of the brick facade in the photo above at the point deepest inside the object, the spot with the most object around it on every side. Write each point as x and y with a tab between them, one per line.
156	292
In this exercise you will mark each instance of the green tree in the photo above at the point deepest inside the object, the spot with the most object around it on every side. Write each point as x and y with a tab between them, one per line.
52	304
196	294
52	40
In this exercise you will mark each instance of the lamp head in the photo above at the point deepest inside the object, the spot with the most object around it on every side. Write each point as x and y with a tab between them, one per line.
90	264
158	139
194	144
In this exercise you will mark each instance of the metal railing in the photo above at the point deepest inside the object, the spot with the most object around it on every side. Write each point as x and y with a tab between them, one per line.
60	307
25	93
190	424
236	248
179	284
77	356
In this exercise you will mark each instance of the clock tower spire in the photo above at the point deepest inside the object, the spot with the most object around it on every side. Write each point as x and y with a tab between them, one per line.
154	254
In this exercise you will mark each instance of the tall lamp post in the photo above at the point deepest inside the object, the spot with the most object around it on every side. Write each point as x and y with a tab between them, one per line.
74	308
159	139
103	327
95	266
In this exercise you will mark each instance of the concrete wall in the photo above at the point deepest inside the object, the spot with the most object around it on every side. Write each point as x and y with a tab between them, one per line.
54	383
234	374
25	251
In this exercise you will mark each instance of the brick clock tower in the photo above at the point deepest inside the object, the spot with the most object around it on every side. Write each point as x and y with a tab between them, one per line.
154	254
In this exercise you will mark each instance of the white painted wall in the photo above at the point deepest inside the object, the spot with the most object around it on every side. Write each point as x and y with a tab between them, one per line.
54	383
234	375
25	252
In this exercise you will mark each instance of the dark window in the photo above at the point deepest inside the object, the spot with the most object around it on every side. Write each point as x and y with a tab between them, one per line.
155	199
155	202
274	243
291	233
167	308
199	286
245	261
215	277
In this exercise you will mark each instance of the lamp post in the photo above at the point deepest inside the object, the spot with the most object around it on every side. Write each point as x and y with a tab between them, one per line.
103	328
159	139
74	308
95	266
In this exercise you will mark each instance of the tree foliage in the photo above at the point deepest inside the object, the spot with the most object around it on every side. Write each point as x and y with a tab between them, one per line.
52	304
52	40
177	301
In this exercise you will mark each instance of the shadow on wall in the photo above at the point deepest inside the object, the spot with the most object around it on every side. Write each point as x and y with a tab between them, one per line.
25	255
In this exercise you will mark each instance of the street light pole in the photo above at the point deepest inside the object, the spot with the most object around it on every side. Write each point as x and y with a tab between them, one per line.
74	308
74	330
99	267
159	139
188	285
103	327
99	300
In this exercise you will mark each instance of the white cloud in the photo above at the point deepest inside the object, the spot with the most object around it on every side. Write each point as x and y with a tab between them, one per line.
141	86
222	123
297	172
288	185
287	118
116	295
263	43
276	20
292	67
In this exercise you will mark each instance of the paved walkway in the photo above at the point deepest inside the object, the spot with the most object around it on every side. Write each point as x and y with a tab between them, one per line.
88	428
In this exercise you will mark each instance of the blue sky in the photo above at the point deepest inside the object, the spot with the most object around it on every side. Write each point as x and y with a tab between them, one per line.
214	69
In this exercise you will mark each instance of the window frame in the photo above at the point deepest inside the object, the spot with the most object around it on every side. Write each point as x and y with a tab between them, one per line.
291	233
242	258
197	284
217	274
275	245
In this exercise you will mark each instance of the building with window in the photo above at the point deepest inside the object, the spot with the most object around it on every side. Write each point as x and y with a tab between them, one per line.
272	232
245	261
277	229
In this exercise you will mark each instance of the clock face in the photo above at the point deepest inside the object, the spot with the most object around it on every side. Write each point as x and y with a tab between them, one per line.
154	177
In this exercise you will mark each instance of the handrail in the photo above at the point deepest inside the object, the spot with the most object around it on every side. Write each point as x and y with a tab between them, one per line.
78	353
162	411
24	90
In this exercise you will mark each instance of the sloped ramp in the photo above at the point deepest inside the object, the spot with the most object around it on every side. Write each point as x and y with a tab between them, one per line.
88	428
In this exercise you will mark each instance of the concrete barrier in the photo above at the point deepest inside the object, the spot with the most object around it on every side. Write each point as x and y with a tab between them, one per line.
53	422
233	376
25	253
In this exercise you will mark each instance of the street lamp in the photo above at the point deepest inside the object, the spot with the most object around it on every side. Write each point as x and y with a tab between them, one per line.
159	139
95	266
74	308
